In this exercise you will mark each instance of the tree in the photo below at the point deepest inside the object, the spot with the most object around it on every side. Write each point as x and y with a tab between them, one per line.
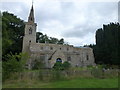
38	37
12	34
107	48
61	41
41	38
53	40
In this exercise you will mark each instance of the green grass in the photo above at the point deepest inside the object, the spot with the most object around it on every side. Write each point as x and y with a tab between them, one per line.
73	83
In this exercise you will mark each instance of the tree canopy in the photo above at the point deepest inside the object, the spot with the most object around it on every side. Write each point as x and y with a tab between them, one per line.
107	48
12	33
41	38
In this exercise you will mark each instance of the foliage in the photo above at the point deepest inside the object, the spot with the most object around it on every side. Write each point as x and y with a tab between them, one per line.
107	48
12	34
0	36
61	66
38	64
66	65
40	38
14	63
58	66
61	41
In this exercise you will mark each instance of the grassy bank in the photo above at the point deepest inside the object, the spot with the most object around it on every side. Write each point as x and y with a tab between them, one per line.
83	78
73	83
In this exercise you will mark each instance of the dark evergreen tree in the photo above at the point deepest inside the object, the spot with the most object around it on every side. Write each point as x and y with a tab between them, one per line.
107	48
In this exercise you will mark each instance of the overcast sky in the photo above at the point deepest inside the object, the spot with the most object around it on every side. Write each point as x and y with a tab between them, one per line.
74	21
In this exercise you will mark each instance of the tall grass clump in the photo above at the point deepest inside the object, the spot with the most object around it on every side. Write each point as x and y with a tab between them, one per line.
58	70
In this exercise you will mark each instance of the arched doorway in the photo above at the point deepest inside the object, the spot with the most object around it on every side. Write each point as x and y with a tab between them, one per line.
58	60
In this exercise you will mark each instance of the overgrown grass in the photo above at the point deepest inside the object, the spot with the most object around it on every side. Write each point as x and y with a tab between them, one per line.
74	83
72	78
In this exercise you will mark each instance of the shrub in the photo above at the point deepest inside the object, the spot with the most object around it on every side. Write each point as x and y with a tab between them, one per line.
66	65
13	63
60	66
38	64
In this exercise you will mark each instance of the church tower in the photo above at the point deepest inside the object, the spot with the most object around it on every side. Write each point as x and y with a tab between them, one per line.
30	32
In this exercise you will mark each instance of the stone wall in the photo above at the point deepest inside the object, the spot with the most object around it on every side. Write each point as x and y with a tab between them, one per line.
48	53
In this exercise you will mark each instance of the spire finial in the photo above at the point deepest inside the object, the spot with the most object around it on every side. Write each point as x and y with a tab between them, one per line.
31	15
32	2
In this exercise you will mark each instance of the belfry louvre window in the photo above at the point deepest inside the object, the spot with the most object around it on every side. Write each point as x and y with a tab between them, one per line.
31	18
30	30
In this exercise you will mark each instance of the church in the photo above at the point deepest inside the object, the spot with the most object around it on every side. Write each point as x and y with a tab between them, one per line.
49	54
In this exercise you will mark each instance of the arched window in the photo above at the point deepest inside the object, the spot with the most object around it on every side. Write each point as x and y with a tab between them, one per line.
58	60
30	30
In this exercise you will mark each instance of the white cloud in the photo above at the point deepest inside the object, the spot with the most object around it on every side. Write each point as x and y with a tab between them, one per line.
74	21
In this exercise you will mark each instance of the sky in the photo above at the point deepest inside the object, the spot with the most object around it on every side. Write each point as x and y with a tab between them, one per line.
74	20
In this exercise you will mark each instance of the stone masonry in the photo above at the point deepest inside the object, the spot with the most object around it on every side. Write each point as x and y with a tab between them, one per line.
50	53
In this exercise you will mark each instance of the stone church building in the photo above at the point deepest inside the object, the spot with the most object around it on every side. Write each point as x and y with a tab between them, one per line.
49	54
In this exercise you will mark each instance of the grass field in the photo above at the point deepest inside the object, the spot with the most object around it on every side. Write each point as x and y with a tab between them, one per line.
73	83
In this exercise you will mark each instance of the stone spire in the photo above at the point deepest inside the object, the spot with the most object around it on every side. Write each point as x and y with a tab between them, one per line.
31	15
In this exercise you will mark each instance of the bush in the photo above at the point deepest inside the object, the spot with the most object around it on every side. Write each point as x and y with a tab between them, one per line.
37	64
60	66
13	63
66	65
